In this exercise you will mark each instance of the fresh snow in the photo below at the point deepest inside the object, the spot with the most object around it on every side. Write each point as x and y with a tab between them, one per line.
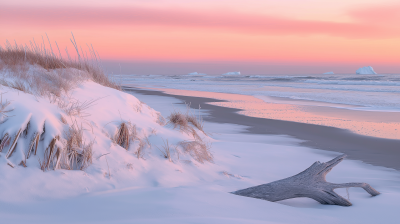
113	166
329	73
120	188
368	70
232	73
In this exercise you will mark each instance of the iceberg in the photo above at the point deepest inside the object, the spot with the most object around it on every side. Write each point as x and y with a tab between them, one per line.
196	73
232	73
368	70
329	73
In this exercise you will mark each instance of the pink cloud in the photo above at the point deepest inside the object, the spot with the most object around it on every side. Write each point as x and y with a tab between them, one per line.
386	15
103	18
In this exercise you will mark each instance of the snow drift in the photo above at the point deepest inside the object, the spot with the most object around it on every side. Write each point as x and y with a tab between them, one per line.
63	118
42	127
368	70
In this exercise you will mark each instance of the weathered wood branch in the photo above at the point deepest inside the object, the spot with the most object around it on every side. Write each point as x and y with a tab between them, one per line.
310	183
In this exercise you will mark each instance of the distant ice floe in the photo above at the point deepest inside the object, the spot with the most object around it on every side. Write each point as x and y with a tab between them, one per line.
232	73
368	70
196	73
329	73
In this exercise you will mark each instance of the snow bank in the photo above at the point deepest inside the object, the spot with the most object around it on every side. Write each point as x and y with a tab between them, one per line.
328	73
39	130
244	160
232	73
196	73
368	70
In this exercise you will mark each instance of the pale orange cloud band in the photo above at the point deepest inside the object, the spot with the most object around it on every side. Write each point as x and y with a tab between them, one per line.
94	18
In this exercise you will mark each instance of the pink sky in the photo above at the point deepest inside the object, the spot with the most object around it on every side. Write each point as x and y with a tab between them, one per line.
339	34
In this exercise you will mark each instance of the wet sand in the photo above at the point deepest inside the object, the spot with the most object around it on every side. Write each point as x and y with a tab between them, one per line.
372	150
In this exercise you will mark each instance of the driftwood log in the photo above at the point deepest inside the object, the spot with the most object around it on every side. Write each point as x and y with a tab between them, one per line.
310	183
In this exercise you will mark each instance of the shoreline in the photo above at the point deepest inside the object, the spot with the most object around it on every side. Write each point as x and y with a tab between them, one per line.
372	150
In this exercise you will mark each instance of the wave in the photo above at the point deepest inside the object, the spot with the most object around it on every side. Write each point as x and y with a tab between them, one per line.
364	82
379	92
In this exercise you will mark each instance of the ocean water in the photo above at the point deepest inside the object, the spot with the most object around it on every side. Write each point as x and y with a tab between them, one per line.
358	92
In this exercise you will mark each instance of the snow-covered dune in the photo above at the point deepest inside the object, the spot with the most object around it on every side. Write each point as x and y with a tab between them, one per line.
154	190
88	137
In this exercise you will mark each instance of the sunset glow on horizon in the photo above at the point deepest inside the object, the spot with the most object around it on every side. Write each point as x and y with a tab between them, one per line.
288	32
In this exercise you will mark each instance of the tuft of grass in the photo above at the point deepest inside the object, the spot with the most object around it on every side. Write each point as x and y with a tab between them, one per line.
167	150
143	144
77	155
122	137
33	146
199	150
196	122
178	120
5	141
126	133
59	74
76	108
13	144
51	156
186	121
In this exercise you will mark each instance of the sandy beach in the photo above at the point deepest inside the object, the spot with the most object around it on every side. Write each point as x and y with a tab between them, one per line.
372	150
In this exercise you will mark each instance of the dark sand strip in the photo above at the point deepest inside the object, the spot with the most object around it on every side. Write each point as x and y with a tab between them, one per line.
376	151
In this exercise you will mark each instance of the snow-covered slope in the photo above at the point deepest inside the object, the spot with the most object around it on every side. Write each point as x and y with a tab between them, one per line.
200	193
368	70
82	126
329	73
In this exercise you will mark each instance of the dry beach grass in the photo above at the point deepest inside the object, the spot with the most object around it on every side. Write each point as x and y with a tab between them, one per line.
46	75
78	154
199	150
53	75
166	150
59	74
187	122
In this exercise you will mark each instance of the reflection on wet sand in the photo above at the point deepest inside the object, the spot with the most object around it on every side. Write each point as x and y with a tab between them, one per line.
370	123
